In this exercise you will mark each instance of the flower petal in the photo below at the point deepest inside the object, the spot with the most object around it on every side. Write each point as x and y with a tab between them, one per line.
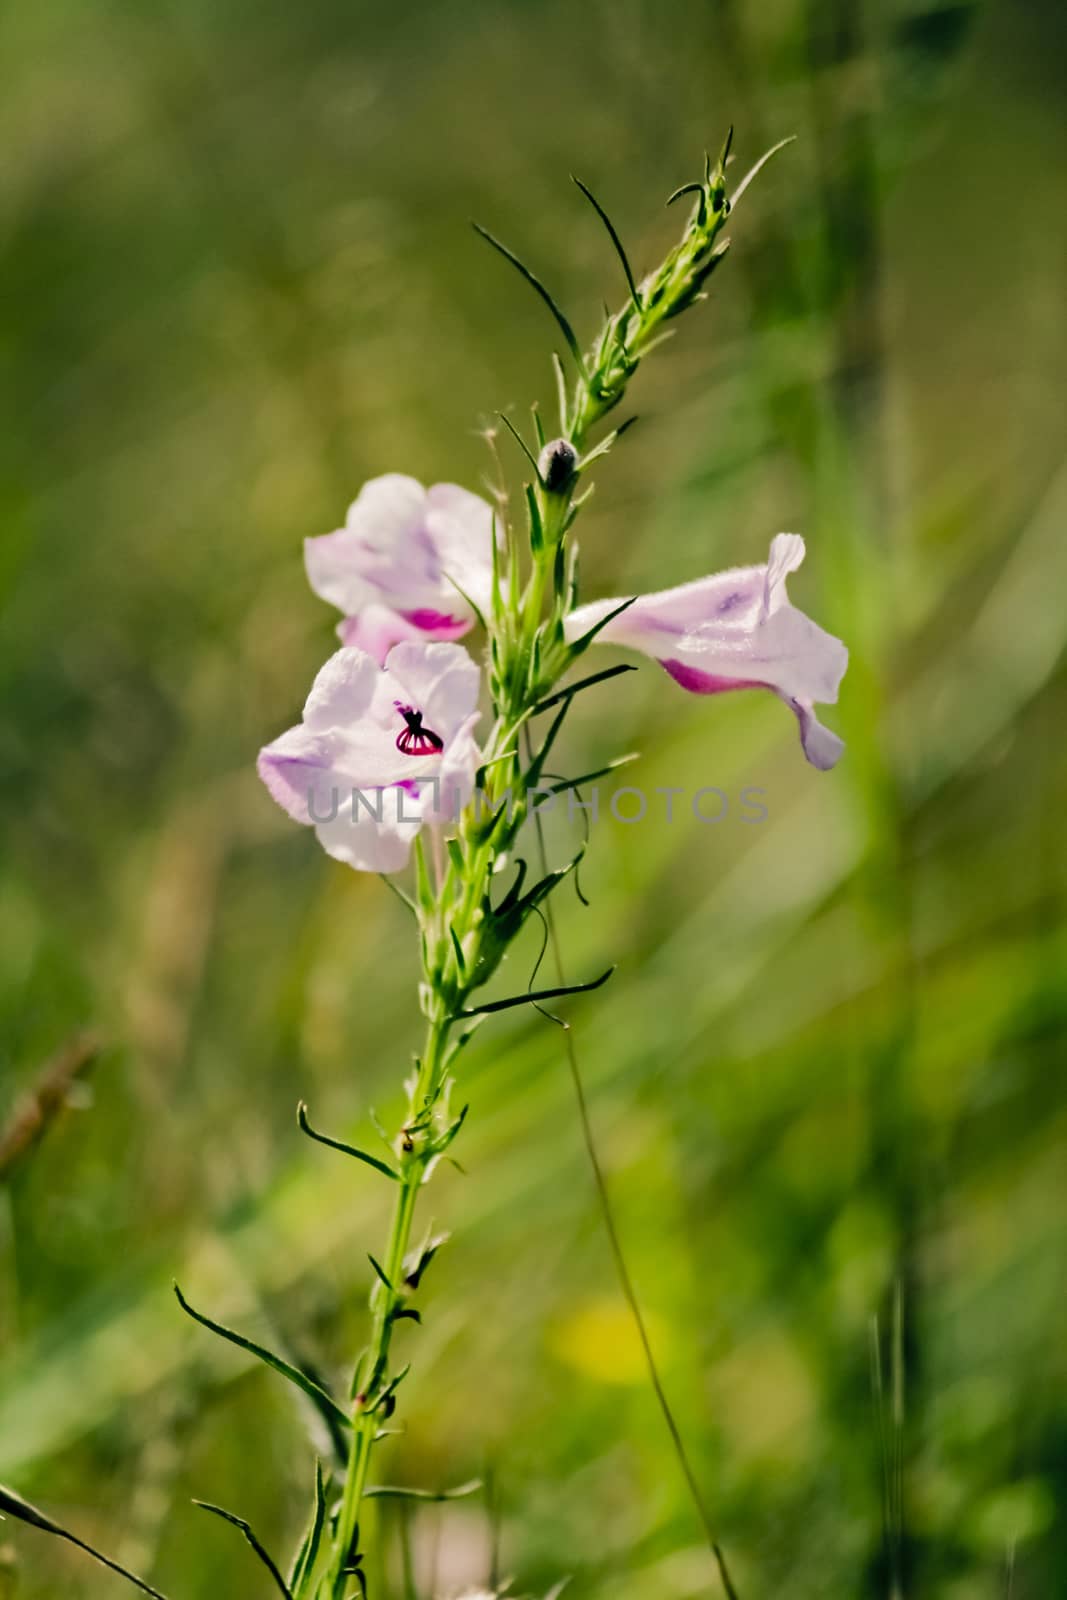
299	771
440	680
462	526
455	779
342	691
382	546
735	630
369	843
377	628
821	745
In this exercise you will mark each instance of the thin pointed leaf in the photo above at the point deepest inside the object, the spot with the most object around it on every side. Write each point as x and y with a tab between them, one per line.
308	1554
338	1144
397	1491
521	442
464	596
587	638
724	155
239	1522
551	880
313	1391
537	527
424	889
379	1127
451	1131
380	1271
516	888
606	444
754	172
536	284
420	1258
386	1398
601	772
536	767
572	689
616	241
538	994
496	597
13	1505
686	188
398	891
561	392
338	1431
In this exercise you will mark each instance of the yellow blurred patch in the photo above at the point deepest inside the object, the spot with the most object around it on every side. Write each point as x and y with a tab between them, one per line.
766	1400
599	1340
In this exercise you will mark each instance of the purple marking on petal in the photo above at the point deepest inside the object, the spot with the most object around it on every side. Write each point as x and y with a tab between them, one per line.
437	622
697	682
416	740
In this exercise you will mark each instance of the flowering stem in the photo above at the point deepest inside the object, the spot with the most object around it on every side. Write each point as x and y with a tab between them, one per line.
464	935
373	1402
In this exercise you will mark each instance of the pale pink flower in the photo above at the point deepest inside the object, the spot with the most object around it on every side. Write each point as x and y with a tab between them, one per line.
380	751
410	563
735	630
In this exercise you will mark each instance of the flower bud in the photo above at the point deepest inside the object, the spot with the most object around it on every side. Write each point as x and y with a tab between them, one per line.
556	464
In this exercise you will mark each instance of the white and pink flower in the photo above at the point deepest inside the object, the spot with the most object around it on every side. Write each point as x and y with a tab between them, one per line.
410	563
735	630
380	751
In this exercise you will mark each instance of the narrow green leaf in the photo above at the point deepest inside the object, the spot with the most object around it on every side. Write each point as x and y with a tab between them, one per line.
13	1505
395	1491
380	1271
420	1258
516	887
453	1128
754	172
587	638
536	284
398	891
338	1144
536	995
536	767
424	890
308	1554
521	442
239	1522
613	235
686	188
313	1391
724	153
572	689
601	772
561	392
405	1313
537	531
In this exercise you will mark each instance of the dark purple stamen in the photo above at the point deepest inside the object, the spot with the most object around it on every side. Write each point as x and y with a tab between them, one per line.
415	740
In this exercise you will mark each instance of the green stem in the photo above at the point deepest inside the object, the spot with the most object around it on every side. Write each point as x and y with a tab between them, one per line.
528	655
386	1299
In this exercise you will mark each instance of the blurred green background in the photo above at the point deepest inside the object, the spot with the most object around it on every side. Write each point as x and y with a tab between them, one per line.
238	279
